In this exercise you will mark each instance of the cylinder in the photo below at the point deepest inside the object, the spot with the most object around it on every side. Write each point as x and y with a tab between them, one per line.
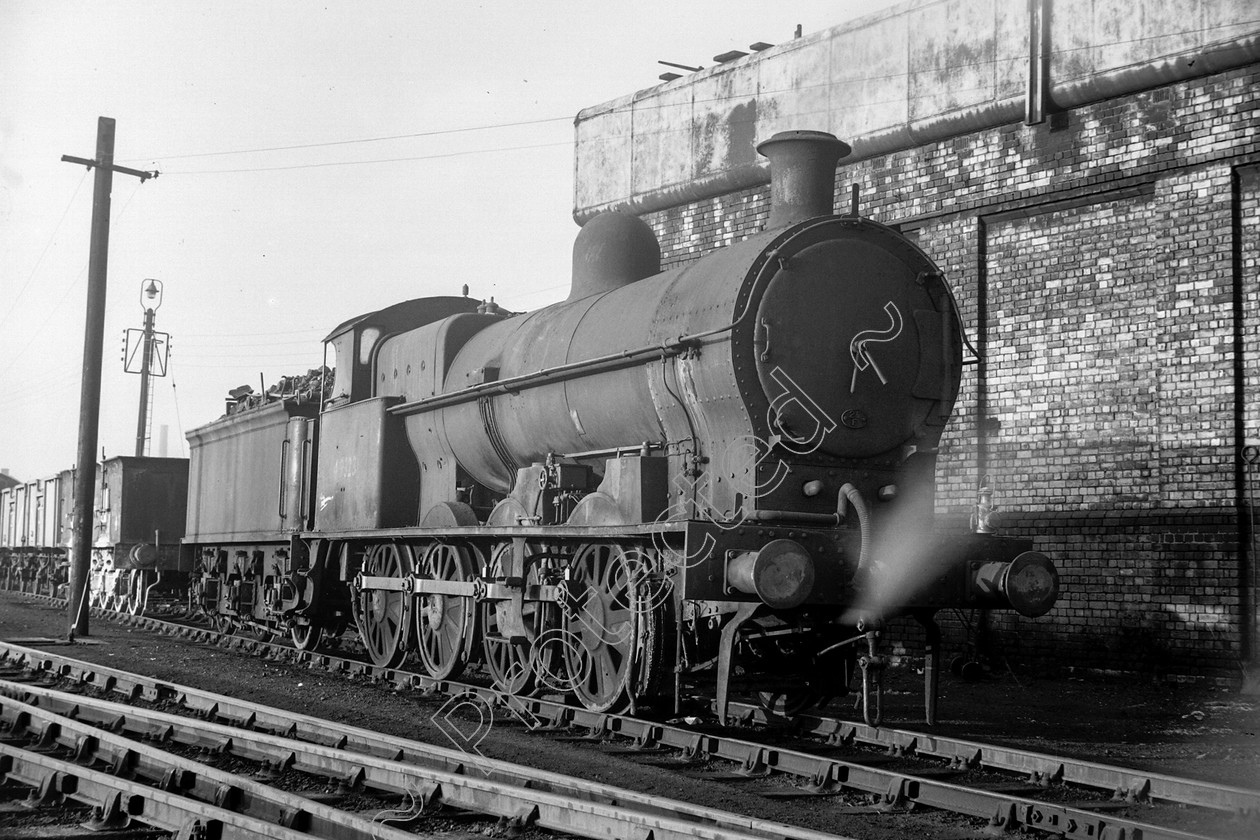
781	574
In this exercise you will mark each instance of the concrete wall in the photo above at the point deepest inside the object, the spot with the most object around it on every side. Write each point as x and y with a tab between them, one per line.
917	73
1106	262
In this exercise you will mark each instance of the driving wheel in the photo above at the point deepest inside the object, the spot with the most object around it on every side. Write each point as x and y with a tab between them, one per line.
381	615
445	624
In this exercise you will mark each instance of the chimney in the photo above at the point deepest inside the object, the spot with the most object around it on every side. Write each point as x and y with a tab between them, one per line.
613	250
802	175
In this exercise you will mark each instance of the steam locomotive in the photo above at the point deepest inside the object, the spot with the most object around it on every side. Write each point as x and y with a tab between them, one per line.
715	476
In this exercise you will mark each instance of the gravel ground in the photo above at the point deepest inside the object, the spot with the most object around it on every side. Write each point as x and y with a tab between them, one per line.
1195	731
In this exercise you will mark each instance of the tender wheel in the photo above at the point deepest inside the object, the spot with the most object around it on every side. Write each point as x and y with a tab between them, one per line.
122	594
609	618
382	616
445	624
137	583
118	593
523	666
305	636
112	594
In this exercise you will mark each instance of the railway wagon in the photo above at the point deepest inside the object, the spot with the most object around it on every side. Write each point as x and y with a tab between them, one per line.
35	532
139	512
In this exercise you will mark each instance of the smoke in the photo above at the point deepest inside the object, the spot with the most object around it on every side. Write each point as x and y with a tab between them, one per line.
905	560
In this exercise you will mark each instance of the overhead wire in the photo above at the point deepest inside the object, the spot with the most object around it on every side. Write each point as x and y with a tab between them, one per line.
184	345
325	164
322	330
55	308
409	136
247	352
254	365
641	106
38	262
179	420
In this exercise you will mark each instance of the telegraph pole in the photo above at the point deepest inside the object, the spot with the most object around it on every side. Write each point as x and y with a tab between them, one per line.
93	350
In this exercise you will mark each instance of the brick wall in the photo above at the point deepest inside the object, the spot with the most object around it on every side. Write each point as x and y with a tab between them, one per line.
1247	389
1112	253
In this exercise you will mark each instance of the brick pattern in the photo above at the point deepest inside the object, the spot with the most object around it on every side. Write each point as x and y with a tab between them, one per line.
1074	370
952	244
1120	319
688	232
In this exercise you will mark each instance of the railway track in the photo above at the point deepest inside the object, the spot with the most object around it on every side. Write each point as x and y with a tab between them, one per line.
54	739
822	756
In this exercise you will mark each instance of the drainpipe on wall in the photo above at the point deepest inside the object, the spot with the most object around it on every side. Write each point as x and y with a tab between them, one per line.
1038	92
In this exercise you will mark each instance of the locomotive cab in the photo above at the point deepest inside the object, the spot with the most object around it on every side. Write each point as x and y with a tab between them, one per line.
356	341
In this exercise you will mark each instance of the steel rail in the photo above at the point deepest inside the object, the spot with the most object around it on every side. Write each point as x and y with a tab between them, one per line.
120	801
824	773
1041	768
88	730
346	753
426	786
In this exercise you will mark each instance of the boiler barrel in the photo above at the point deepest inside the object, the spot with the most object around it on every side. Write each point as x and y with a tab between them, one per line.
623	404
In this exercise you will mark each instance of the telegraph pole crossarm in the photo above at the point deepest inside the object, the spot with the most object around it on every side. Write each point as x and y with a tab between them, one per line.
90	394
139	173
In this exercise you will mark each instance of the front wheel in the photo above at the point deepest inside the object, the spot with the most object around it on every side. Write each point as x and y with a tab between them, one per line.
306	637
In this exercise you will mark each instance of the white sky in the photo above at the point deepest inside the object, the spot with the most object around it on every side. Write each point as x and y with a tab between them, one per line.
263	252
